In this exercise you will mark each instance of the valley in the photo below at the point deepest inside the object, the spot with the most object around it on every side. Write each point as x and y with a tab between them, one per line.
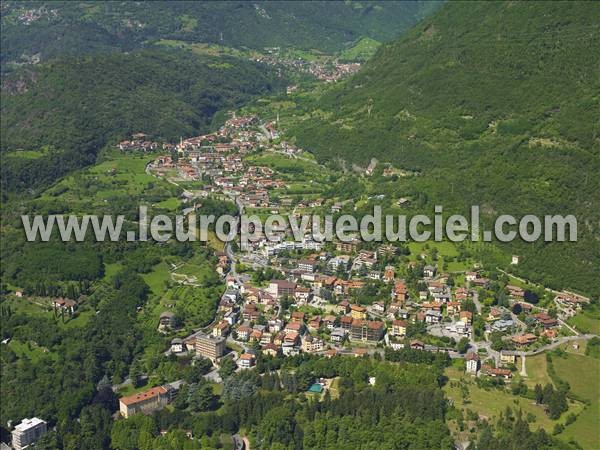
287	341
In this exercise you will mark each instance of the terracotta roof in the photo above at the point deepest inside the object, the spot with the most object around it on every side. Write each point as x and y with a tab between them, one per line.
472	356
294	326
142	396
284	284
524	339
369	323
499	372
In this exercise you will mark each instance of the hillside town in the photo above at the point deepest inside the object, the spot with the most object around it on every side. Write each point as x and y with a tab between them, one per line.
300	225
341	298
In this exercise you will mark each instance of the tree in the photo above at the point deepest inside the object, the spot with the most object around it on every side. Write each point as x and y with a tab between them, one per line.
181	400
463	345
228	366
557	405
539	395
201	397
95	425
198	368
415	329
469	305
547	393
286	302
277	426
135	373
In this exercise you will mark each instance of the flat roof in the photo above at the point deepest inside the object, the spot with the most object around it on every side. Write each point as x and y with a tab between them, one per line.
29	423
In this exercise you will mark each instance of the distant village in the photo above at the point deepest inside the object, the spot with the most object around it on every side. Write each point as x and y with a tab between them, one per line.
328	71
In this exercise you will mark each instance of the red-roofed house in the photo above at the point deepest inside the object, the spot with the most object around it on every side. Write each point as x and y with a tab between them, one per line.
145	402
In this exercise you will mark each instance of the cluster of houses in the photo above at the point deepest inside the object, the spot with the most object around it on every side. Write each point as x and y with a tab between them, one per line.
253	313
140	143
334	71
217	158
330	70
317	278
474	365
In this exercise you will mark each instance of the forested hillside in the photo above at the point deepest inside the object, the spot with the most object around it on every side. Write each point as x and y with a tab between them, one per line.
495	104
67	110
42	30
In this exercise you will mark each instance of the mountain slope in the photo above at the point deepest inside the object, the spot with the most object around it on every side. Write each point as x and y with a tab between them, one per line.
528	65
73	107
496	104
48	29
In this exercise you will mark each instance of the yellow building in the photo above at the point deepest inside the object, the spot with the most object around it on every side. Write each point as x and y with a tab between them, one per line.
399	328
358	312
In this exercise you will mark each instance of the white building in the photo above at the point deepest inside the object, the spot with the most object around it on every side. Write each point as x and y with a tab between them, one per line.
28	432
472	361
338	262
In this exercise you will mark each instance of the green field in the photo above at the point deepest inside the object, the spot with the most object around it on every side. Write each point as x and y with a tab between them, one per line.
201	48
297	170
172	204
536	370
29	350
491	403
157	278
119	181
41	307
583	375
195	300
585	323
110	270
361	50
445	249
25	154
196	268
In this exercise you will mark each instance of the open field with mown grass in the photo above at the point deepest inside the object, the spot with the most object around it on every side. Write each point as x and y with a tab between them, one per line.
194	301
118	181
490	403
583	375
536	367
446	251
41	307
29	350
585	323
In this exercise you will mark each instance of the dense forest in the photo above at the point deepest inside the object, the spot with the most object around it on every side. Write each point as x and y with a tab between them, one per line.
49	29
67	110
493	104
